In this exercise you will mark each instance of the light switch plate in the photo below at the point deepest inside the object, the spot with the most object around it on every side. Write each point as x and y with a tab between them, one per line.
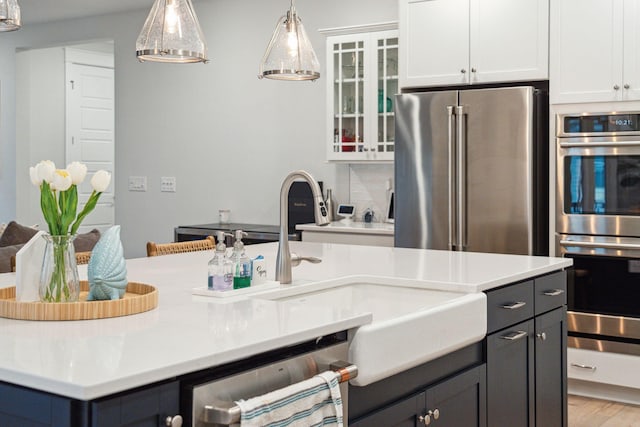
168	184
137	183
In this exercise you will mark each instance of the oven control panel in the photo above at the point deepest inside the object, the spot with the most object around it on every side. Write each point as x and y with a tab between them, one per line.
598	124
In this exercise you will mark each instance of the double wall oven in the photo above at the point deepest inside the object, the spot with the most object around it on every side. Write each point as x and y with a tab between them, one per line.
598	226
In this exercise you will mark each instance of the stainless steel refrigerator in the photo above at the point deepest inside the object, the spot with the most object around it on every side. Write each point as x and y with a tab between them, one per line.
471	170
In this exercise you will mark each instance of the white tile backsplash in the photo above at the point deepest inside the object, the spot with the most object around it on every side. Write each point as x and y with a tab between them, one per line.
368	189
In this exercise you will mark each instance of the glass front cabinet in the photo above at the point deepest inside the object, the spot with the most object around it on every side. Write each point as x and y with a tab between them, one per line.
362	81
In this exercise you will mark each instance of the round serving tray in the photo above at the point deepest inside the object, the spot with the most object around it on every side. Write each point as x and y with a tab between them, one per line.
137	299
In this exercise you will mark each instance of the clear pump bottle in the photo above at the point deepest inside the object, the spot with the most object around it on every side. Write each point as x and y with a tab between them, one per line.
220	267
241	263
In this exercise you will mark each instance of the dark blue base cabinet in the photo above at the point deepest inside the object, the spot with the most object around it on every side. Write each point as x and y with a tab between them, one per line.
438	405
527	354
20	407
516	376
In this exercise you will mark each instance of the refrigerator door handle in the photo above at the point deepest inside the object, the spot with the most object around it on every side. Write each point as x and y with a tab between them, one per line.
461	149
453	239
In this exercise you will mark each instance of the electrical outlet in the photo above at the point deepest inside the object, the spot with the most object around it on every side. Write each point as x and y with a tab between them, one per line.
168	184
137	183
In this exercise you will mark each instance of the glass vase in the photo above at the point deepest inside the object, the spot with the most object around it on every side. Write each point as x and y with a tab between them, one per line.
59	276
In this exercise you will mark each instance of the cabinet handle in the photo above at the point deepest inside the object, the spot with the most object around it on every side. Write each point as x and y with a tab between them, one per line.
627	86
553	292
473	70
616	87
426	419
175	421
463	71
514	305
578	365
513	336
542	336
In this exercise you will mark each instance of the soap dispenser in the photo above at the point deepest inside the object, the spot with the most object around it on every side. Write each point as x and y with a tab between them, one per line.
329	205
241	263
220	267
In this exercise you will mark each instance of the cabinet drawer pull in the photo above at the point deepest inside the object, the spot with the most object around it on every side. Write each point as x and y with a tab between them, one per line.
514	305
514	335
426	419
587	367
175	421
553	292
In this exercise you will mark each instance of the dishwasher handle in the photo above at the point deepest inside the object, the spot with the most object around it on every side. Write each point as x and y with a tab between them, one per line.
228	413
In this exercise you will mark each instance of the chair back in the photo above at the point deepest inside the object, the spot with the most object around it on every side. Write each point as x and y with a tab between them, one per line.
155	249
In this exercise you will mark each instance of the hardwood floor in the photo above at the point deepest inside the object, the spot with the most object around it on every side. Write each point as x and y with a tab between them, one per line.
587	412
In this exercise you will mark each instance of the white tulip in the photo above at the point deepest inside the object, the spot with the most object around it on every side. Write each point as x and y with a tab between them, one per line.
61	180
33	174
78	171
100	181
45	170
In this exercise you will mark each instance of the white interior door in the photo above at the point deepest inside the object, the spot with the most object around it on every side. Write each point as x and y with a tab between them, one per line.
90	130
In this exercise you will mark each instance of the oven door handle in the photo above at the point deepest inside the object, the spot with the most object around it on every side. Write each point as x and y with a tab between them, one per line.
609	143
228	413
603	245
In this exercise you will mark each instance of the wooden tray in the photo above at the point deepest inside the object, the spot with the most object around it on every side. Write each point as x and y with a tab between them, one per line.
137	299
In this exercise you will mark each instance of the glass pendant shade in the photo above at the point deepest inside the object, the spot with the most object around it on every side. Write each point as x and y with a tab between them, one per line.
9	15
290	55
171	33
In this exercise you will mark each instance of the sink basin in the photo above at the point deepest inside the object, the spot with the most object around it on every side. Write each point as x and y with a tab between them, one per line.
412	322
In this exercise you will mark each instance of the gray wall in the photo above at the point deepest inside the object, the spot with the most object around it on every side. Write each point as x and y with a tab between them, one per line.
40	122
228	137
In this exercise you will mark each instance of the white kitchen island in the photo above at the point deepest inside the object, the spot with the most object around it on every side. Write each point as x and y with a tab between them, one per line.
86	360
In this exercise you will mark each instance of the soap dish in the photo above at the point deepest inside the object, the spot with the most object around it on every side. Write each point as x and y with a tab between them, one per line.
206	292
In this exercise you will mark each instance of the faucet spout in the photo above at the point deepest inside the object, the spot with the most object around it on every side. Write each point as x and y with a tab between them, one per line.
283	260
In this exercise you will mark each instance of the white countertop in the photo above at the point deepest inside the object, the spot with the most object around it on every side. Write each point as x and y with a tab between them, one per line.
186	333
379	228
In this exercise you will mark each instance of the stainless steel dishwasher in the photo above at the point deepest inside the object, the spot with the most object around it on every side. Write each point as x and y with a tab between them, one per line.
212	402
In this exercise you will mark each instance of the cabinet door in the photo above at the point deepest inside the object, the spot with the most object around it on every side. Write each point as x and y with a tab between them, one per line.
459	401
631	80
586	51
385	67
434	42
551	369
402	414
362	81
23	407
147	407
509	40
510	376
348	99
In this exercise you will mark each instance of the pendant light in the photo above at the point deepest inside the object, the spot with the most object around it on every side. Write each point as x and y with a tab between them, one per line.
171	33
9	15
290	55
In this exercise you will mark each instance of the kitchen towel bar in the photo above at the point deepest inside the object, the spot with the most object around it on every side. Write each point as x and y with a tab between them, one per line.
222	414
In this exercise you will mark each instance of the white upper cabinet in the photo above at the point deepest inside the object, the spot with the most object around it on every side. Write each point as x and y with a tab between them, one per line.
444	42
362	81
434	36
595	51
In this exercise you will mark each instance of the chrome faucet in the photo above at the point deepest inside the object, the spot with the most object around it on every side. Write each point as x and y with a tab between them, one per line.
283	261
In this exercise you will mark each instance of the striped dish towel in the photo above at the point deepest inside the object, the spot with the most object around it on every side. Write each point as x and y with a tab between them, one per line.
313	402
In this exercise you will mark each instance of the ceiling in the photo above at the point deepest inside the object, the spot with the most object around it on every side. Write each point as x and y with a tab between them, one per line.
38	11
